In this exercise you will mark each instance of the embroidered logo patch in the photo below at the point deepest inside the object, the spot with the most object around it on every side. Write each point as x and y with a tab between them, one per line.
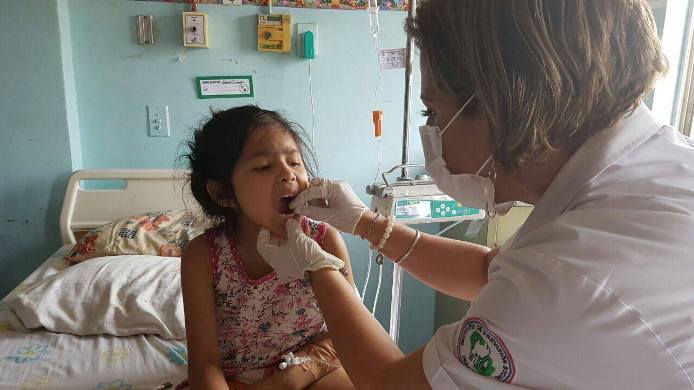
483	352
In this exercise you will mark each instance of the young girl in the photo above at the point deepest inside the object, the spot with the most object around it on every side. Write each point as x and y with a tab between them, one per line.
246	165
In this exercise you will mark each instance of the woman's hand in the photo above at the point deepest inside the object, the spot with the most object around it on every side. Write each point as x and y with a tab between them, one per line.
344	208
295	256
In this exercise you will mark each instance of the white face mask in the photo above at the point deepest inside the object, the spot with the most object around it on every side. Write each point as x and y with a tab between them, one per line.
470	190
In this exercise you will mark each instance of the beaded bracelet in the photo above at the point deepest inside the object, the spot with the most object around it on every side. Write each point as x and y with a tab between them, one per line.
386	234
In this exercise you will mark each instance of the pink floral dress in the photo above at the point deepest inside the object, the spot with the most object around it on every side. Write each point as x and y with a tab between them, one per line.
260	320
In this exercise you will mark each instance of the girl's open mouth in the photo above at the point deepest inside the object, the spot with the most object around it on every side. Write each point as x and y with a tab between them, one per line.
283	206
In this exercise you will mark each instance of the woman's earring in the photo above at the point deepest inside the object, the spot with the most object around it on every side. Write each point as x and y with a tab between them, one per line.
492	177
491	211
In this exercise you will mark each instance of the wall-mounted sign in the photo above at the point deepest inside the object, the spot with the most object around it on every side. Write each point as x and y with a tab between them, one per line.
215	87
392	58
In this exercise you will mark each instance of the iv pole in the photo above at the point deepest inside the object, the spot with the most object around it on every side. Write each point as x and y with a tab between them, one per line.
396	292
408	96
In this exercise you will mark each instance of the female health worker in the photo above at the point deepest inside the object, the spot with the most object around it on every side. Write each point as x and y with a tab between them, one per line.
536	101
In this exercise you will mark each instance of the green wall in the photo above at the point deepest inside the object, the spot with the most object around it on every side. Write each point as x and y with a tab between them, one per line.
35	151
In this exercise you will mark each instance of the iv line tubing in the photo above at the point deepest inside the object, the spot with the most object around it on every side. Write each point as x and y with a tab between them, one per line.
378	289
380	73
378	171
378	87
380	158
368	275
313	109
449	228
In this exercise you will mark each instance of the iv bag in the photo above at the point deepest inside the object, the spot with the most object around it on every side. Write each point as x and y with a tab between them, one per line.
374	24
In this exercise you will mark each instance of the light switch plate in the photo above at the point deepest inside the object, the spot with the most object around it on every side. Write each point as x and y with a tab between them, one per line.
158	119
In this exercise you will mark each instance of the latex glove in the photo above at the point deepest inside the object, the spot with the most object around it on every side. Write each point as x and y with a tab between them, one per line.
344	208
295	256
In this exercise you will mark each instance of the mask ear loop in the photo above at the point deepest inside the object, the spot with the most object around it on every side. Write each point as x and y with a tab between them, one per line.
457	114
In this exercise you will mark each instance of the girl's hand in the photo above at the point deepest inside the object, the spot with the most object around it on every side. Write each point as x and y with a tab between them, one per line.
344	210
303	376
295	256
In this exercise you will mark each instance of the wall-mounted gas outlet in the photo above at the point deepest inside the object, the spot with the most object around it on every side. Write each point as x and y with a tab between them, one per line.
301	38
158	118
195	30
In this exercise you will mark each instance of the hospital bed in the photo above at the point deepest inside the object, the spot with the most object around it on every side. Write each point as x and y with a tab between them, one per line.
39	359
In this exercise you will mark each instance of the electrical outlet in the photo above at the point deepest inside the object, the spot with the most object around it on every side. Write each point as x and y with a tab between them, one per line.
158	119
301	28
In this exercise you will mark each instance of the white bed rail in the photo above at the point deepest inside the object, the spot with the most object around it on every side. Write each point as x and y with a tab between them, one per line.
145	190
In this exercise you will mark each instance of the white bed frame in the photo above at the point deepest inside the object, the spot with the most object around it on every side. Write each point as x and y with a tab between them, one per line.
145	190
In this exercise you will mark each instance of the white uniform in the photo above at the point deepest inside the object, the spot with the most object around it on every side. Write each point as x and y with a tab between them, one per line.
596	290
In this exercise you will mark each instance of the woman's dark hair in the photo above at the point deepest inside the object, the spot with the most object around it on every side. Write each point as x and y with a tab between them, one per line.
215	148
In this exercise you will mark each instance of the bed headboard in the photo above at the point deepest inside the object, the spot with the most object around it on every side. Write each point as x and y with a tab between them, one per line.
145	190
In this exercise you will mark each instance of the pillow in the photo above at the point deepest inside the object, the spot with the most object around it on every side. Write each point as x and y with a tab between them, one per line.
117	295
159	233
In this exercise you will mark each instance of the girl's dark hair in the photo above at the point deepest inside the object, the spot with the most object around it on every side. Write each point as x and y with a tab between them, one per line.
215	149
